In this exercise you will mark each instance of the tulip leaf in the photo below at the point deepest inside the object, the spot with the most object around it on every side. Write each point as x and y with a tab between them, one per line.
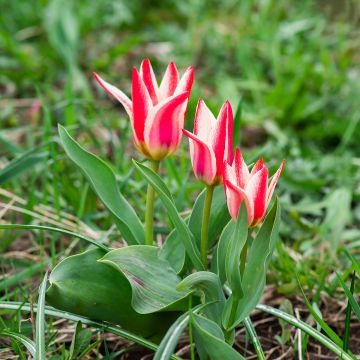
83	286
171	338
173	248
209	340
185	234
40	322
232	262
152	279
253	281
103	181
224	241
173	251
209	285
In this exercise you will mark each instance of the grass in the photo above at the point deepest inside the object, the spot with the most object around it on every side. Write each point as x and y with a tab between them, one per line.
293	64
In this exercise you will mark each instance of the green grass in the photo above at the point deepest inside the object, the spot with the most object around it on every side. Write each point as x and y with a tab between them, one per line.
293	64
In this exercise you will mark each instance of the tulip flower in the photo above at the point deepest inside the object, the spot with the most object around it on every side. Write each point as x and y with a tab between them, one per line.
249	187
211	143
157	113
210	147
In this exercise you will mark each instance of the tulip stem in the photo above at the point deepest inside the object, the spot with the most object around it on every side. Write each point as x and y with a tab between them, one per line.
205	224
149	216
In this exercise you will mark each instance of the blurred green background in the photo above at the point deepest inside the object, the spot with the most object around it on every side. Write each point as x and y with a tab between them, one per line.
293	66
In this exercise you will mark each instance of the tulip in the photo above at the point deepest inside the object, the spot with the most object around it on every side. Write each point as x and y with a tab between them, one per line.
250	187
210	147
157	113
211	143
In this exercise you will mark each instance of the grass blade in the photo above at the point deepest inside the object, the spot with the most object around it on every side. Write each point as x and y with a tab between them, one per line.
348	316
321	338
350	297
254	338
40	322
330	332
51	228
354	262
29	344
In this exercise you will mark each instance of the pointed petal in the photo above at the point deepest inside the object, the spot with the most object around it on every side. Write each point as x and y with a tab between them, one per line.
230	131
202	159
169	82
234	198
142	104
116	93
204	122
186	81
258	166
163	126
219	140
256	190
273	182
241	170
149	79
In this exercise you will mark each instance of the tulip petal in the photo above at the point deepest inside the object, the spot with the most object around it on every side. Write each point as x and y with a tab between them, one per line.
258	166
169	82
234	197
241	170
230	132
149	79
273	182
204	122
116	93
142	104
202	159
163	126
256	189
219	140
186	82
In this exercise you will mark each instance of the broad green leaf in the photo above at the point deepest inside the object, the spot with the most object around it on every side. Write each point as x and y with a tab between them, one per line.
22	339
23	163
82	285
117	330
209	340
232	262
152	279
81	340
253	281
104	184
224	241
237	123
173	251
209	285
40	322
166	198
219	215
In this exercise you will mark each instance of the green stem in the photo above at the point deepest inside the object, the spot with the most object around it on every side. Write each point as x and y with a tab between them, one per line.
205	224
149	217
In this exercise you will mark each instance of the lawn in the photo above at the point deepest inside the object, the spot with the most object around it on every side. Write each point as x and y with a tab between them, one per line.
290	71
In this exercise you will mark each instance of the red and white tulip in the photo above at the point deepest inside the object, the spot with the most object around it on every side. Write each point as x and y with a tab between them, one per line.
250	187
157	113
211	143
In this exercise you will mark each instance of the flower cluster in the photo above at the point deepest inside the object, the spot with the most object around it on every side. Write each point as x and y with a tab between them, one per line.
157	114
